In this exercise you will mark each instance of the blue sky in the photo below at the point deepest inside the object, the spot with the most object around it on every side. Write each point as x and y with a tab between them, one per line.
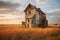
11	11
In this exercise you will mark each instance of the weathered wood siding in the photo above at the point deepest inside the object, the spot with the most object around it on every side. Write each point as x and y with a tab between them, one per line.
34	17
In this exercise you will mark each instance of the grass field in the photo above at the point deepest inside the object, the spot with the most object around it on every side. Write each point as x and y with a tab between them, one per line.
14	32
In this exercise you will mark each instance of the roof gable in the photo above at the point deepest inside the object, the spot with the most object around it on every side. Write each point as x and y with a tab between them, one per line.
39	10
29	6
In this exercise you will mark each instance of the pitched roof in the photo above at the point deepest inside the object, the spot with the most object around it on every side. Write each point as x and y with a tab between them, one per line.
37	9
29	6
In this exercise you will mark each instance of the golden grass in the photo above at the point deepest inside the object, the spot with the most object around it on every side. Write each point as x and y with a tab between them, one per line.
17	33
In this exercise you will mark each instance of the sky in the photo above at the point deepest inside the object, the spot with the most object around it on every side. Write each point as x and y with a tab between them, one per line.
12	11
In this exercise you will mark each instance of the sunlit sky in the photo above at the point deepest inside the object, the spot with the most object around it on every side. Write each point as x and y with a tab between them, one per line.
11	11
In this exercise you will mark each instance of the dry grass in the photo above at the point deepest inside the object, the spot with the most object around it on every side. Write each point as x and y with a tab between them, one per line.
17	33
54	25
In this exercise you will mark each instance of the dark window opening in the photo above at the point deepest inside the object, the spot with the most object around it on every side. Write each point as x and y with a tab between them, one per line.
28	20
28	25
29	12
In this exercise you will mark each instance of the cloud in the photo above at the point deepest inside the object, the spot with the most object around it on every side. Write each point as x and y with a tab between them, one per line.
14	1
11	18
9	14
4	4
55	10
40	2
53	16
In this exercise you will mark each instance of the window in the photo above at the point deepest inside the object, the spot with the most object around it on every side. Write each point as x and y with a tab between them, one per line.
28	25
29	12
28	20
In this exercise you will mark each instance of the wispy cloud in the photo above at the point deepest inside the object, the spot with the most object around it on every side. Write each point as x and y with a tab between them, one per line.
40	2
11	11
4	4
13	1
53	16
9	14
9	18
55	10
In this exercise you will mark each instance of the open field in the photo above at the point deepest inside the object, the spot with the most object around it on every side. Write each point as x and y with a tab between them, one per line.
54	25
18	33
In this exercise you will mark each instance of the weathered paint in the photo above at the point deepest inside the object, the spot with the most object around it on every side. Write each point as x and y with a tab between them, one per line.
34	17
